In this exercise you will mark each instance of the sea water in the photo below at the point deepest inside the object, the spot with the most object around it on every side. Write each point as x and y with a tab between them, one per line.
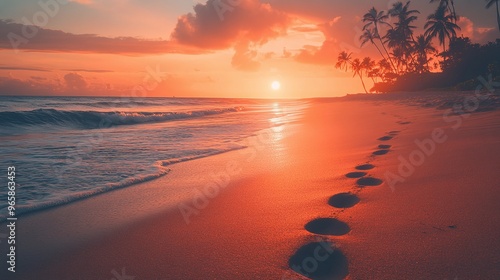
69	148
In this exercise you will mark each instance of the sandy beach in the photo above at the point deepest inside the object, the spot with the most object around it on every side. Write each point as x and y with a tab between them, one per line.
249	139
418	200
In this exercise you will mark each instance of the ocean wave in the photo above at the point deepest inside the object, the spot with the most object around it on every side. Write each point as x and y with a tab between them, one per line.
161	167
94	119
68	198
103	104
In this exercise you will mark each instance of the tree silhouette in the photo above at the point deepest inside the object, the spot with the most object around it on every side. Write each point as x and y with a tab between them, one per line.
369	35
440	24
422	46
401	36
405	58
405	18
368	66
450	5
357	69
375	18
343	60
496	2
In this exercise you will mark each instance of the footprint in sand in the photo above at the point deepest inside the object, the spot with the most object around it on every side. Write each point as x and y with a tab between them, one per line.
404	122
355	174
369	182
380	152
365	166
394	132
384	147
319	260
385	138
327	226
343	200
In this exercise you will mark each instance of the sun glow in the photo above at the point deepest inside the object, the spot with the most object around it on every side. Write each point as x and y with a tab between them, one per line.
276	85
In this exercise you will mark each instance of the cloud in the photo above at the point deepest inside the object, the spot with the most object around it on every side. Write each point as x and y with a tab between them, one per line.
466	26
74	84
479	35
88	70
305	28
13	86
244	26
244	58
75	81
23	68
486	34
318	10
32	38
212	28
336	40
38	78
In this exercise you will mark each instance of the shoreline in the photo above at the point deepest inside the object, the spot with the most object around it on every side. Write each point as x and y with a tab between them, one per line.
257	221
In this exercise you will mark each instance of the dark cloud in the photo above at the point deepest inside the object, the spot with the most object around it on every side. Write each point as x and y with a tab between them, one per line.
12	86
243	26
30	38
71	85
88	70
11	68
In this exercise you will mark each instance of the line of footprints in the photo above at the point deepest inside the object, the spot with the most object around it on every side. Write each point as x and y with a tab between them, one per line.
321	259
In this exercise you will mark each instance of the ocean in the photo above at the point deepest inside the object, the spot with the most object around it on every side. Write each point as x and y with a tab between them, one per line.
69	148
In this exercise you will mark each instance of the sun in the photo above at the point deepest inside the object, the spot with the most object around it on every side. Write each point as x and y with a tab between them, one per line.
276	85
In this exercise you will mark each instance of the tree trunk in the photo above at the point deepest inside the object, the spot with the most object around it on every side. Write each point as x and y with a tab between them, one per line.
383	46
427	62
363	82
444	52
379	50
498	15
389	56
454	11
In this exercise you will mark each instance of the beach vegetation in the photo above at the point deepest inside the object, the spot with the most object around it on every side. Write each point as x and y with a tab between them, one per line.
412	58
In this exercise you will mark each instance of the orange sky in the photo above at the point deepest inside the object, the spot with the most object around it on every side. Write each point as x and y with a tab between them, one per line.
220	48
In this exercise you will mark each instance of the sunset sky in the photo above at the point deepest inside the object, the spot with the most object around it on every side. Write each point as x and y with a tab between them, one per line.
202	48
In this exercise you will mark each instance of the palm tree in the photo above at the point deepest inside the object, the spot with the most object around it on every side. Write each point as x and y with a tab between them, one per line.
401	46
440	24
357	69
369	36
496	2
384	68
402	35
375	18
368	65
343	60
450	5
422	47
398	54
405	18
374	74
